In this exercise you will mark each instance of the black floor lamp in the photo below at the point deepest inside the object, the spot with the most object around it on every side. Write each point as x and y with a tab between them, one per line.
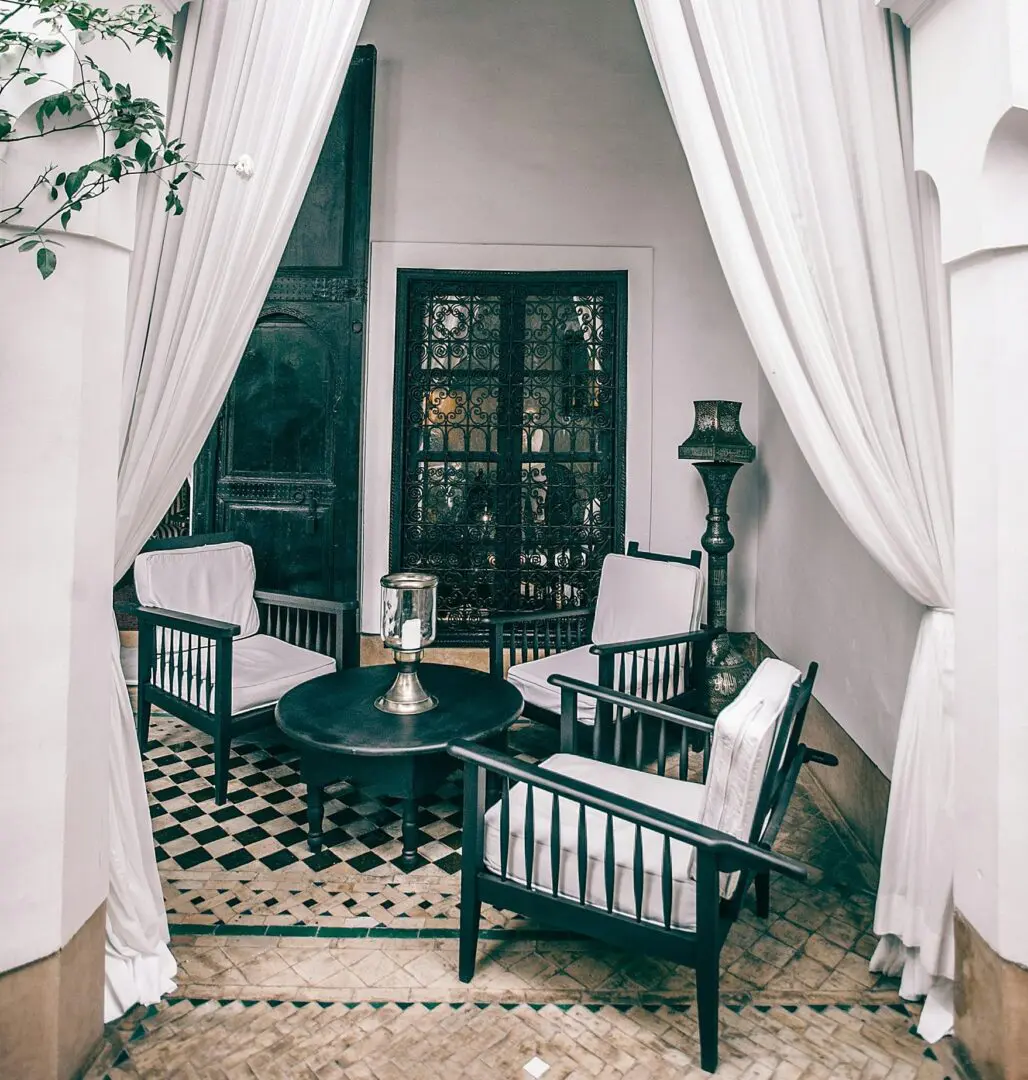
718	449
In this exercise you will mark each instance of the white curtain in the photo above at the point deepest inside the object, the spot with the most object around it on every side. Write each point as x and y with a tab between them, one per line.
787	111
255	77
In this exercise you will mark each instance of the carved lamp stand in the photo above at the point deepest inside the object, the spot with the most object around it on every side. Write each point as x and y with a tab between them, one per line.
718	449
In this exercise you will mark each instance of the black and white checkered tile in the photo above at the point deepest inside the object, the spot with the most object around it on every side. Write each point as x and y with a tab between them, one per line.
263	824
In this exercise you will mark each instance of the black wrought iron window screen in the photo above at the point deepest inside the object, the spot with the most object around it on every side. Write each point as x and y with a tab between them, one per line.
509	453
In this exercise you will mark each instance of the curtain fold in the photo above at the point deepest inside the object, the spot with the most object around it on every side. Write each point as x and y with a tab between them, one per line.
790	115
255	77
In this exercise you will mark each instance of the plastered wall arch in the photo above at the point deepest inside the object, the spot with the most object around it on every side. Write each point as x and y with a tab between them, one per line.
24	161
1004	181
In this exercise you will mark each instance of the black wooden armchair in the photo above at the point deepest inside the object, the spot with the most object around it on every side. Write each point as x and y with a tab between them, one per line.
641	637
224	675
621	853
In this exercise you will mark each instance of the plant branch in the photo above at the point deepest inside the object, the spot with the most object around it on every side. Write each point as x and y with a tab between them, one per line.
132	129
52	131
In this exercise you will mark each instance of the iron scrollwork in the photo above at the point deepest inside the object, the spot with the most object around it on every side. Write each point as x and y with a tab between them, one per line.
509	458
327	286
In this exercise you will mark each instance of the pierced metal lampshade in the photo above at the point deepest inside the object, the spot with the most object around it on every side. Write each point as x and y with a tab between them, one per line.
716	435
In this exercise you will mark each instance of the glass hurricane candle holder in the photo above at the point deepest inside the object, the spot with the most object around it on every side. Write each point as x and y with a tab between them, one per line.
408	625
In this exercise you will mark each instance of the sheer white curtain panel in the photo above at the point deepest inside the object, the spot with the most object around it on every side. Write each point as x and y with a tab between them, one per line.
790	118
254	77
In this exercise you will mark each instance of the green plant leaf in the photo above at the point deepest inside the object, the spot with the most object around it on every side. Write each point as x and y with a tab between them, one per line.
65	218
143	151
74	182
28	245
46	262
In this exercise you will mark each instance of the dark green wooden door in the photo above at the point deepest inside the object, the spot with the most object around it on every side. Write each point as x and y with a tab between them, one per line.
281	468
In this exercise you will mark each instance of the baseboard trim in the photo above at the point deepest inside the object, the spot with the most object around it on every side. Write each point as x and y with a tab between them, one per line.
834	814
854	796
990	1000
51	1010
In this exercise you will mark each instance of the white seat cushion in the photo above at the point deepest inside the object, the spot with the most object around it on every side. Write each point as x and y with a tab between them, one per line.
530	678
263	669
675	796
646	598
212	582
744	733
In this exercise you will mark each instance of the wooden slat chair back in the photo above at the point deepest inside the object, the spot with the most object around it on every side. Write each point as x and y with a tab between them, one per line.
632	912
186	661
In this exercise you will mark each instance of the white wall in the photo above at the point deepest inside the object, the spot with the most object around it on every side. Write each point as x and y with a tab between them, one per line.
820	596
61	357
969	78
60	371
541	123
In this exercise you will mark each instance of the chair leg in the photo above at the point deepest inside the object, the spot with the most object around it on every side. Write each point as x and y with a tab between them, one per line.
762	884
222	746
708	1000
142	718
470	917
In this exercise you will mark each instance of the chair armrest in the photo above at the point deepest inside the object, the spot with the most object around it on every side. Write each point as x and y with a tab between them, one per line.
504	618
304	603
730	852
188	624
644	706
328	627
640	645
535	634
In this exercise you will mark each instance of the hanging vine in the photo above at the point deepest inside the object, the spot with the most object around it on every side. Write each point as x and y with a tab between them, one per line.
132	128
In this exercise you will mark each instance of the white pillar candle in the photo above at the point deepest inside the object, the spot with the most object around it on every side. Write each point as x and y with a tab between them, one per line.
410	635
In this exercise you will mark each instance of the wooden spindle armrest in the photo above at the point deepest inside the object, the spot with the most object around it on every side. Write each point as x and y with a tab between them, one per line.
640	645
730	853
656	709
304	603
505	618
186	623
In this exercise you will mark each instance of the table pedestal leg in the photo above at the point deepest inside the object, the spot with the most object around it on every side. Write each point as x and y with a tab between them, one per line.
315	813
410	832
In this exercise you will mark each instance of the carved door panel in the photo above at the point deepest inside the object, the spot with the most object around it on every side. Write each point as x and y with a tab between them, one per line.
281	468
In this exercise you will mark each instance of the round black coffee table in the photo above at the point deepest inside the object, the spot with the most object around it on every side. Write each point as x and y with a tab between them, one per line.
342	736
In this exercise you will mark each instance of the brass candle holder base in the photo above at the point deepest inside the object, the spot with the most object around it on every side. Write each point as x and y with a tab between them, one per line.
406	697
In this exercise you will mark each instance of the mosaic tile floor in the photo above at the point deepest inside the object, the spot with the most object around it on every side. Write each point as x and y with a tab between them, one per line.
293	965
232	1040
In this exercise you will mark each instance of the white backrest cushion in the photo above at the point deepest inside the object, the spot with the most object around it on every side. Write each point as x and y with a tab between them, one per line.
645	598
743	736
214	582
